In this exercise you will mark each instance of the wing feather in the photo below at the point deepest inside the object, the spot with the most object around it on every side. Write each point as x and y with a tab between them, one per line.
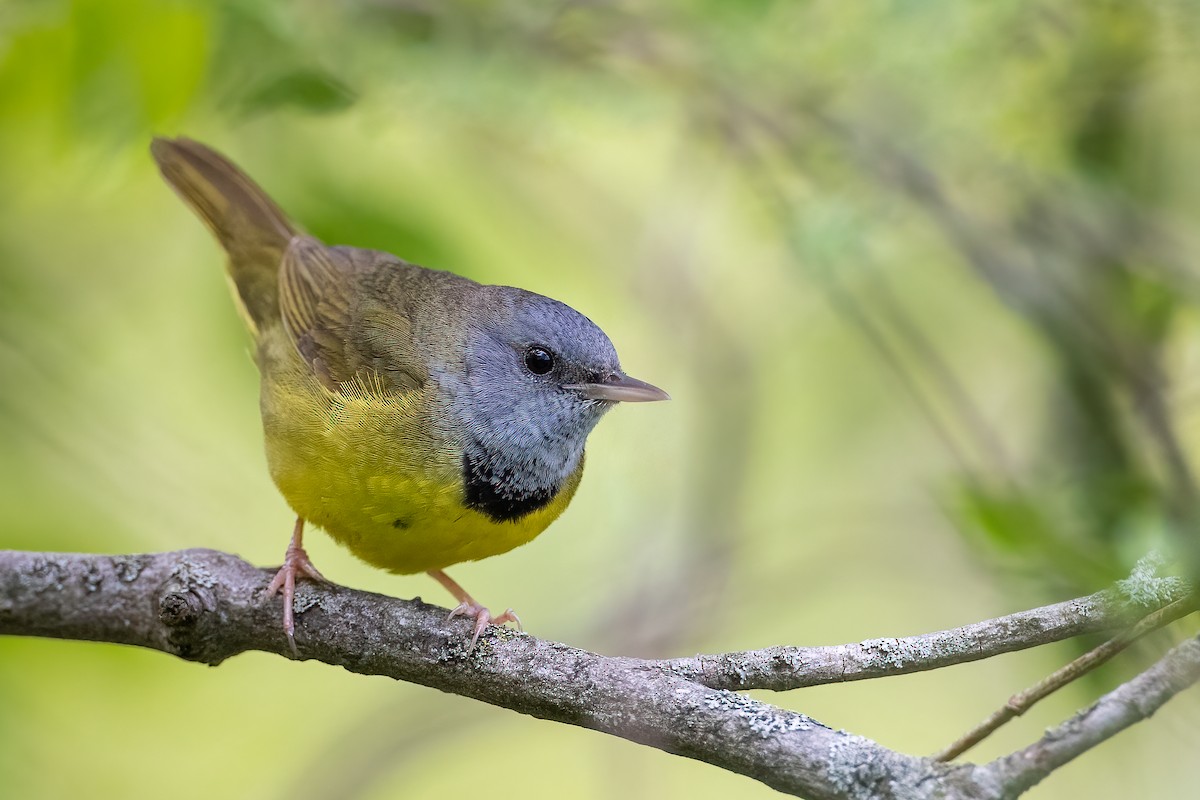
341	331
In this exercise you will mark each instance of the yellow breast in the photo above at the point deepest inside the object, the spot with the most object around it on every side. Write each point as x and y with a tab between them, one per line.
380	475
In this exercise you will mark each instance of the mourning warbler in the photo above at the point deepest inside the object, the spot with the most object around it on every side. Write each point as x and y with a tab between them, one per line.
418	417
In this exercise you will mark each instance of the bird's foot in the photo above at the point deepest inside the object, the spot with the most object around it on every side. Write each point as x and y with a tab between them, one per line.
467	607
483	618
295	564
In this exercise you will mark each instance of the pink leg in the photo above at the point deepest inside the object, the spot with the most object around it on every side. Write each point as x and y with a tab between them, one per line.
467	607
295	562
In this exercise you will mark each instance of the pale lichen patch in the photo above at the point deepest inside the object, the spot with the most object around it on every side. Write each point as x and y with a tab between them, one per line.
862	770
193	574
889	651
47	573
92	578
128	568
304	599
762	719
1145	587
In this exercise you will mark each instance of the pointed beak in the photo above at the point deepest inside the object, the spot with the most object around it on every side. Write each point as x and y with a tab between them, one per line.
620	388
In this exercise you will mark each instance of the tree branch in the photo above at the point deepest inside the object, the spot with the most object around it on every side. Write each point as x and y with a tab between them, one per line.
206	606
1129	703
1019	703
783	668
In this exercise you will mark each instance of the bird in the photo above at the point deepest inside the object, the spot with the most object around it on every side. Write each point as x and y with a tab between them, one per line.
418	417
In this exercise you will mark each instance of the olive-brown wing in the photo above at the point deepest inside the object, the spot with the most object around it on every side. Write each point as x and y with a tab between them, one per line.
340	328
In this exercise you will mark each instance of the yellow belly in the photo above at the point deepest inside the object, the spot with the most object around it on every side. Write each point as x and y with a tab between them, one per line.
372	471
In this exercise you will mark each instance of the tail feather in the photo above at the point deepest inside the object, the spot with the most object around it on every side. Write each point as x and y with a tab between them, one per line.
252	229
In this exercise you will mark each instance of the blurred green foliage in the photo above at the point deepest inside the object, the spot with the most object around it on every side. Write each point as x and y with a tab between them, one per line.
919	275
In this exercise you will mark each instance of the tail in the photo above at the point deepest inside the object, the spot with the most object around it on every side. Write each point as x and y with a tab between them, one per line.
247	223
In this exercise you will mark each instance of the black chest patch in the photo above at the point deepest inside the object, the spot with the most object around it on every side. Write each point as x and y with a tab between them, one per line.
496	491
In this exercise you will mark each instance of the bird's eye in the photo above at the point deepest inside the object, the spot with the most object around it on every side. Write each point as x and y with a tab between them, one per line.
539	360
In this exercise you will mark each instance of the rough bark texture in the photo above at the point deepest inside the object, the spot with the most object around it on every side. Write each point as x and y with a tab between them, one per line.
782	668
206	606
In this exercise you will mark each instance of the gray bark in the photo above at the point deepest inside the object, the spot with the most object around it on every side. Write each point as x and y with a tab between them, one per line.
206	606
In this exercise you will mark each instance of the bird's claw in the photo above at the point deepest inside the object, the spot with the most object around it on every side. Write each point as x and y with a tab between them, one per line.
295	563
483	617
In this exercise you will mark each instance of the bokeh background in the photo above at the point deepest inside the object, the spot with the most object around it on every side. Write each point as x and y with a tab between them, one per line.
920	276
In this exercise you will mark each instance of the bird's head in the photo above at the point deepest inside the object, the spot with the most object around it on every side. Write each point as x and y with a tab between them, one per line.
538	376
537	369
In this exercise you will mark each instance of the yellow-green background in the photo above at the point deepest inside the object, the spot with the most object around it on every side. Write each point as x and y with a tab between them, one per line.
610	155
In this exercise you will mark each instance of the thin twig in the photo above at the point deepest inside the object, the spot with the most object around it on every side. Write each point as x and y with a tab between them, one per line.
1131	702
851	309
1021	702
940	372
